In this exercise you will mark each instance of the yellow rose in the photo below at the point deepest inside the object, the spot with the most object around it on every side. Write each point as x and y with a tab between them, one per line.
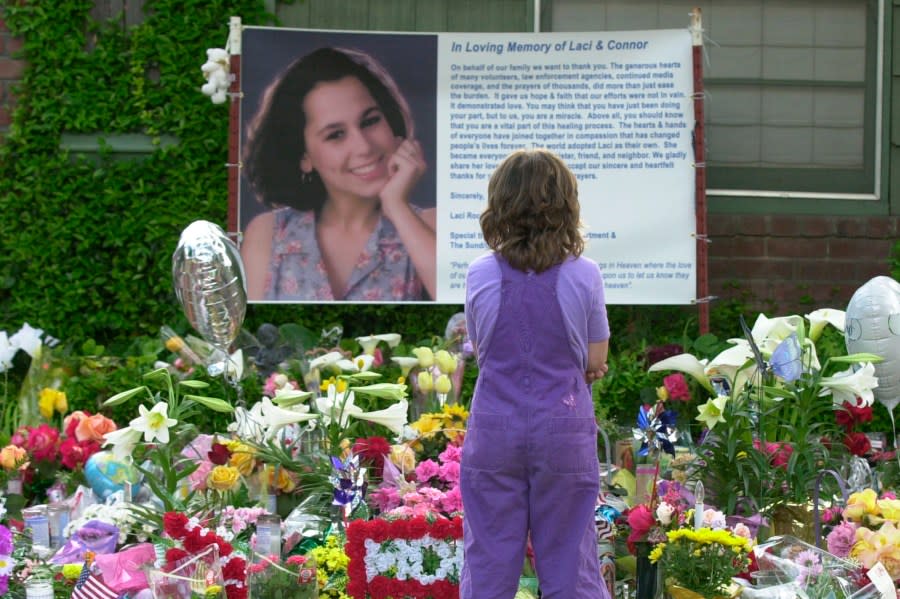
403	457
61	404
446	361
46	399
890	509
224	478
861	504
12	456
242	458
286	482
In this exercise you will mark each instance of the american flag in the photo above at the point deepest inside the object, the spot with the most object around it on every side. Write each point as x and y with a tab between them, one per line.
89	586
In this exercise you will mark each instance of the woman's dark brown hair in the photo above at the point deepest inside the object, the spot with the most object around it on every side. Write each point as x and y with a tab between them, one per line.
274	142
532	217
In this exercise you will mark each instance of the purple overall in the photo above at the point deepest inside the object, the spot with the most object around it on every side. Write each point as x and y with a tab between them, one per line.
529	461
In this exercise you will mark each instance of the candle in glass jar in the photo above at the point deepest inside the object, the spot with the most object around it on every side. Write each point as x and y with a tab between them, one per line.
38	589
698	506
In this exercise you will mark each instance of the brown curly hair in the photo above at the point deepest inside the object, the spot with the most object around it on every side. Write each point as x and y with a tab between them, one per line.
532	217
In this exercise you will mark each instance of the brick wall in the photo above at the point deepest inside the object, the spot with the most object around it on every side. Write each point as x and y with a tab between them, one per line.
789	264
10	72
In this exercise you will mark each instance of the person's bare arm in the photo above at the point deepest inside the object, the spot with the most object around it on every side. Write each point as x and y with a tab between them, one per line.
597	367
256	253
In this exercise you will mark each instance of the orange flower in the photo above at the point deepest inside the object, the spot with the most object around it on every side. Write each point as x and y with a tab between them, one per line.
94	427
12	456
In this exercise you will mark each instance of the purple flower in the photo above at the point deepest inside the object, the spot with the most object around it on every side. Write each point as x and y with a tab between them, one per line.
6	542
840	540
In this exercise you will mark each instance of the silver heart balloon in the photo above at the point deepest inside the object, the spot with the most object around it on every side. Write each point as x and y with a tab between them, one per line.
210	283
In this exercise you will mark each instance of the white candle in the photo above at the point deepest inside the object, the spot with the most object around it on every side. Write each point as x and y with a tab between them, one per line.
38	590
698	506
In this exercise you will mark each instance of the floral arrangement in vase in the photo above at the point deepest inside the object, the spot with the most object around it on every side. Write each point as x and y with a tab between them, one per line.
293	579
701	562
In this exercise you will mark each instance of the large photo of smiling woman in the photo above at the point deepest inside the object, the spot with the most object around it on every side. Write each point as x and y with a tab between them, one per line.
334	157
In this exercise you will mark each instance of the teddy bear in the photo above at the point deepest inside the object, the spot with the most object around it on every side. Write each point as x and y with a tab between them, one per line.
215	70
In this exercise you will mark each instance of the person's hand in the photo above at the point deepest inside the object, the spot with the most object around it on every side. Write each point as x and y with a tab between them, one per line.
592	375
406	167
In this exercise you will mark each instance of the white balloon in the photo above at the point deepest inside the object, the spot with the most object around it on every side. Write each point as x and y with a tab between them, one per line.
873	325
209	282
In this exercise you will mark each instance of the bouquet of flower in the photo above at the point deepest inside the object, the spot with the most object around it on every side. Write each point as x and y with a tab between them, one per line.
703	560
870	531
331	567
767	415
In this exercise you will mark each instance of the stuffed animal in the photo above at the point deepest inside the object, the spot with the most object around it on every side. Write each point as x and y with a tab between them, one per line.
216	72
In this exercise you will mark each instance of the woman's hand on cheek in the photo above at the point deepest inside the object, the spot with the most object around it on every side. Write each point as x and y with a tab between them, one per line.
406	167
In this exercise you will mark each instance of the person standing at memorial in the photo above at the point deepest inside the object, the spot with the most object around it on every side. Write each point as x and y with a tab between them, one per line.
332	150
536	315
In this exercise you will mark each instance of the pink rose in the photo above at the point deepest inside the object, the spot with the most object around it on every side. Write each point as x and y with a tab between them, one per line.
94	427
42	442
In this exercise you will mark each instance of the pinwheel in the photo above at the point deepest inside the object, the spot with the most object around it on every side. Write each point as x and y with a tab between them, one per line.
655	429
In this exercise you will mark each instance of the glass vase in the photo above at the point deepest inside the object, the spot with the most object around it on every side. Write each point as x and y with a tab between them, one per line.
646	572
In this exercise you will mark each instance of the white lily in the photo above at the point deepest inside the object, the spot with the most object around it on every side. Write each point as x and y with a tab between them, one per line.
852	387
274	418
360	363
712	412
248	423
123	442
154	423
28	339
819	318
687	364
394	418
337	407
7	352
287	396
731	363
328	359
405	363
370	342
769	332
392	391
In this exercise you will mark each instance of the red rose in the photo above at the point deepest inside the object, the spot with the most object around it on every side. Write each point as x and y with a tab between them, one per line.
234	569
219	454
373	451
858	443
42	443
75	454
677	387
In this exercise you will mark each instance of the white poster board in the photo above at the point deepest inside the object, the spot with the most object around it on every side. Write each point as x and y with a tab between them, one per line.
616	106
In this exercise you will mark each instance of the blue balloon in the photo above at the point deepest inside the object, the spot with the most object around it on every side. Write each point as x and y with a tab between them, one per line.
107	475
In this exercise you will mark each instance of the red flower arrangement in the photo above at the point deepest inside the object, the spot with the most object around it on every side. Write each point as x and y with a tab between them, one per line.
194	539
380	530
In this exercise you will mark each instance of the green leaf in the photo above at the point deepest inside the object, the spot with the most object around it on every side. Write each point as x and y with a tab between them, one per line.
193	384
215	404
124	396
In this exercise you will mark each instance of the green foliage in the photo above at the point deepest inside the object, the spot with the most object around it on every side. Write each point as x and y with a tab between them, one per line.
895	261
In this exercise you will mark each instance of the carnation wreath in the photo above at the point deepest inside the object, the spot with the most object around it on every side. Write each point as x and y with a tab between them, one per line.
388	557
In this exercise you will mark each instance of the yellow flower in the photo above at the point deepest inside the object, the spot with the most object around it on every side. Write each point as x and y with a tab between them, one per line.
72	571
662	394
242	457
456	411
224	478
890	509
403	457
446	361
426	425
442	384
174	344
657	552
425	381
340	385
861	503
425	356
214	591
50	401
12	456
285	483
